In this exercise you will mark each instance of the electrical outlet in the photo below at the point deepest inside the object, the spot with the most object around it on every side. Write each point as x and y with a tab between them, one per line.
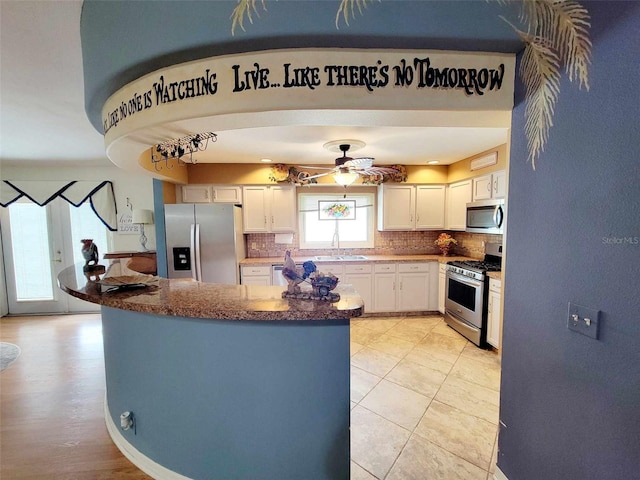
583	320
253	246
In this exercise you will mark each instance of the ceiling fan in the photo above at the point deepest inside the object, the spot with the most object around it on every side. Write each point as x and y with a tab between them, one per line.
347	169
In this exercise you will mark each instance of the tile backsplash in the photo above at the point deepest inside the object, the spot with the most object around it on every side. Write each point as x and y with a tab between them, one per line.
386	243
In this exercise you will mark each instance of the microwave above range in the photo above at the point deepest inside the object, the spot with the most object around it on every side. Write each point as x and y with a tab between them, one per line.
485	216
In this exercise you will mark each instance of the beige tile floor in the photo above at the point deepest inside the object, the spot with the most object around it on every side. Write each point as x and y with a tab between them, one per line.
424	402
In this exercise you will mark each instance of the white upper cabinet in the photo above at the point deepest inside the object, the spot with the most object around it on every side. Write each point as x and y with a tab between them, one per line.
458	195
196	194
499	182
430	207
482	186
411	207
396	207
492	185
269	209
211	193
226	194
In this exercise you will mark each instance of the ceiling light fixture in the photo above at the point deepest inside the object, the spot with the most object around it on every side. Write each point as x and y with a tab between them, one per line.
179	147
433	162
265	160
345	178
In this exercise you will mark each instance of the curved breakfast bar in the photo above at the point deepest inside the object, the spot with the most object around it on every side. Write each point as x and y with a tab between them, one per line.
225	381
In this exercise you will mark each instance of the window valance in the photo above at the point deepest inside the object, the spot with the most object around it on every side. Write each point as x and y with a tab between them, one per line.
99	194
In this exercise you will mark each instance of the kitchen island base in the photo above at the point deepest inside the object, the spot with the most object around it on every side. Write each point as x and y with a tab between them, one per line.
220	399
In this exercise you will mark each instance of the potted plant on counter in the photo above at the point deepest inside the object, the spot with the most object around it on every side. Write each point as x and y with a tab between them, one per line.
445	242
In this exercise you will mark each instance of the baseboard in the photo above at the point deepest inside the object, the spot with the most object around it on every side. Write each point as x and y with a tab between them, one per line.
498	475
144	463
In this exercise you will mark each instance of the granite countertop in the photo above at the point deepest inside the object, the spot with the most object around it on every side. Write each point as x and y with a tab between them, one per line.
369	259
189	298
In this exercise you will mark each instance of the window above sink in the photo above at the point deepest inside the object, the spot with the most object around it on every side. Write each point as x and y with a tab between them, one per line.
321	233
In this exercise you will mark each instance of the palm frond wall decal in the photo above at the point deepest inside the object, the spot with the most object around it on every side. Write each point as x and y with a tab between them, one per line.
244	8
540	65
557	33
348	7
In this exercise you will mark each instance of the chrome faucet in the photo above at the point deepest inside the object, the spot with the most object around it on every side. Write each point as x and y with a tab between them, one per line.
335	240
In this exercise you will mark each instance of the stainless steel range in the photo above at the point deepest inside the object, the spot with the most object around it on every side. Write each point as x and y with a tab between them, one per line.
466	294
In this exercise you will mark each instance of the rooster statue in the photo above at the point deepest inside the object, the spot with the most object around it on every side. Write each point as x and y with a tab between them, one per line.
293	274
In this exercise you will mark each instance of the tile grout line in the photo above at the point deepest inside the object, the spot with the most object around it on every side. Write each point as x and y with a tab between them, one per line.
413	430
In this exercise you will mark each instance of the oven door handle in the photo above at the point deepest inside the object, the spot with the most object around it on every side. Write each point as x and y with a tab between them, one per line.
462	279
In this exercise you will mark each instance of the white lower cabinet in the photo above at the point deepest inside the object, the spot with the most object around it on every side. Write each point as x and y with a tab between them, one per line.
331	268
442	286
255	275
384	287
404	287
413	287
494	317
359	275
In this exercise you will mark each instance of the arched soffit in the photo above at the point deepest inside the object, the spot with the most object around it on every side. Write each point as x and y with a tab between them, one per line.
124	40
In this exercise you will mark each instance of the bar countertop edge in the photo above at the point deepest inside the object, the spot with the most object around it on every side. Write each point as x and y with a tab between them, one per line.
190	298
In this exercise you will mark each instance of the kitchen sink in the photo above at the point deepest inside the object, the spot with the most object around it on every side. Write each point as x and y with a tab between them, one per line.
325	258
353	257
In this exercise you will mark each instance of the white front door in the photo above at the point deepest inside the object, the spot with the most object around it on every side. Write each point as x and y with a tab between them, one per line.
38	243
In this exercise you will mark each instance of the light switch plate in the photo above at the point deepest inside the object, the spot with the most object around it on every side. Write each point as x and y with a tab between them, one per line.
583	320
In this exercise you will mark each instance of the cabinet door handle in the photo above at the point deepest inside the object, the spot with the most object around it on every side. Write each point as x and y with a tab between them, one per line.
265	220
215	195
489	186
206	194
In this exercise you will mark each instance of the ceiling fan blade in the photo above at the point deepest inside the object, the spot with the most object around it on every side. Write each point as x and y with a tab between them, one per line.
358	163
302	176
315	167
377	171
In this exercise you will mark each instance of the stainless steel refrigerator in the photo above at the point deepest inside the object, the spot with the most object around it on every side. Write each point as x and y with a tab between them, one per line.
204	242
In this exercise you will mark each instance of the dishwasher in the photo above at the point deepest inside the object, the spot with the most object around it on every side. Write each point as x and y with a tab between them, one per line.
276	274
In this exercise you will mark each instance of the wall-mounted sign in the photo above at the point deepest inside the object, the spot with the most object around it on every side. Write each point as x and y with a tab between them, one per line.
126	226
307	87
320	79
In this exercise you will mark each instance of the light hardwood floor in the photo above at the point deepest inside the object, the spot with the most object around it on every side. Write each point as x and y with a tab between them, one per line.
52	403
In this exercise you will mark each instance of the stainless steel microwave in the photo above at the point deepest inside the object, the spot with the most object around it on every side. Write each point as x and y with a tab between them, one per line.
485	216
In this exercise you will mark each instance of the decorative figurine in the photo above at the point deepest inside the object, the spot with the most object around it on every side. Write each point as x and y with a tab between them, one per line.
90	254
321	284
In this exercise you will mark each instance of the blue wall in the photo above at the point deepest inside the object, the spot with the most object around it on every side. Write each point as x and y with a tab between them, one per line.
571	405
232	400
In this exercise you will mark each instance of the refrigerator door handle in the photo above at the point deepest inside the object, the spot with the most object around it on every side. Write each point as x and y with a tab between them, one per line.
192	251
198	254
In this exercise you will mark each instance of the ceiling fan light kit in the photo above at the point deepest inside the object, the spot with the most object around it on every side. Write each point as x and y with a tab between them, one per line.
347	170
345	179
